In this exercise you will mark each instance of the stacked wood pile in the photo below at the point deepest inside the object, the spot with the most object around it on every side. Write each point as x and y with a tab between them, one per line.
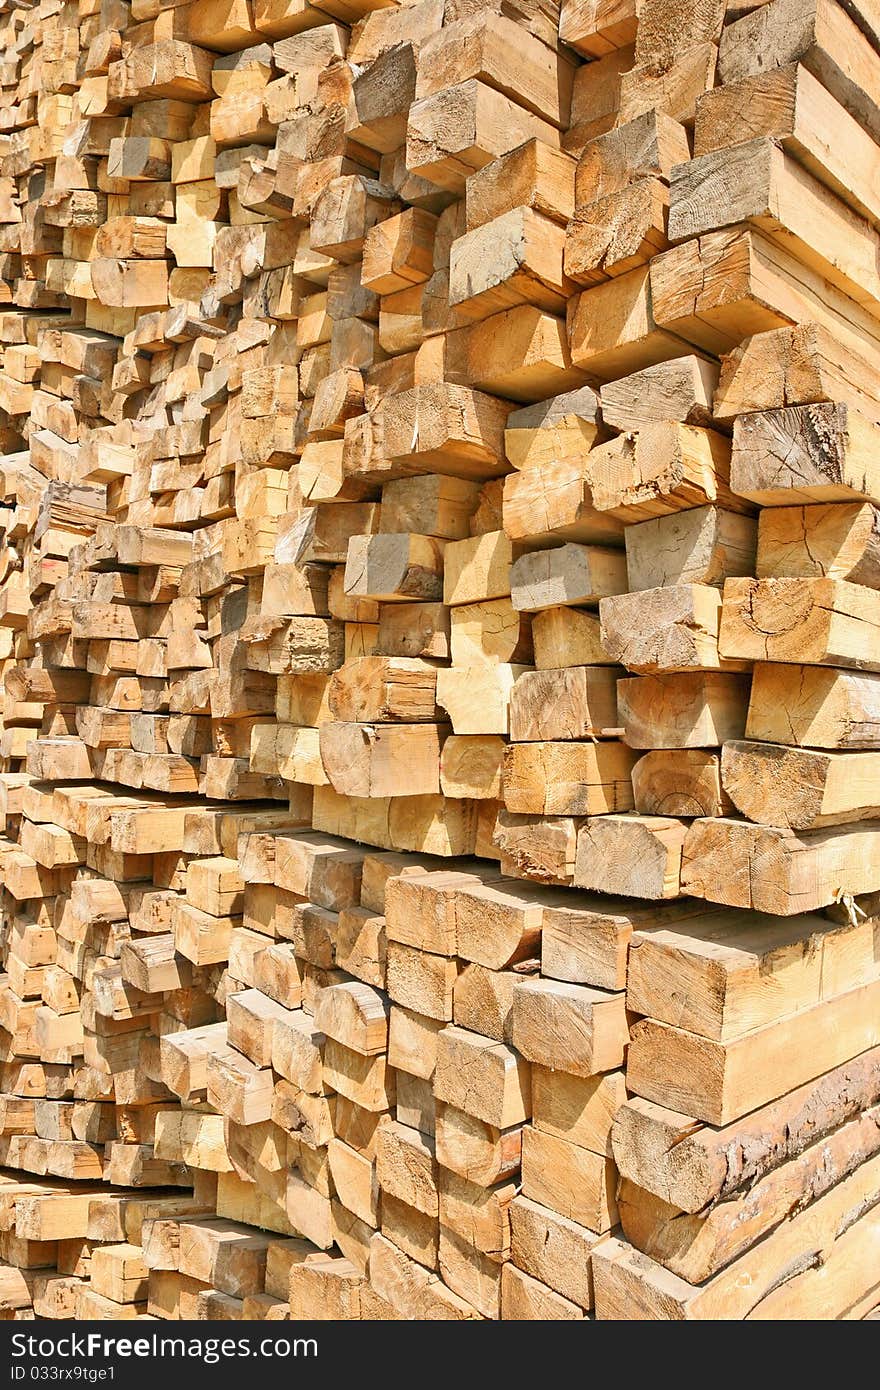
440	657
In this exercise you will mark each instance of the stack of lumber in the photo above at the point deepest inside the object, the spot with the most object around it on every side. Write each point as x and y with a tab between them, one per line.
440	659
